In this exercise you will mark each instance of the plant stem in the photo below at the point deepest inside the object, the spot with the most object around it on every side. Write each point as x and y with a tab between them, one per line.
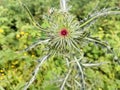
100	14
81	74
94	64
42	60
35	44
30	15
65	80
63	5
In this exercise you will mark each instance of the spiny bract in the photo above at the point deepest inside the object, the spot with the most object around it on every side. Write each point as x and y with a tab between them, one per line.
64	32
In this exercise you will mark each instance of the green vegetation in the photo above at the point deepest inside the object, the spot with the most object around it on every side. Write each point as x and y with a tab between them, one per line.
17	32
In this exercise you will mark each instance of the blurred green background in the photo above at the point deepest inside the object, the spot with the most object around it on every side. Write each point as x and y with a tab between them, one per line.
17	32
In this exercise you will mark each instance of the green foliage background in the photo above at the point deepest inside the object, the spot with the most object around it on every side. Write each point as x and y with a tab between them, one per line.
17	32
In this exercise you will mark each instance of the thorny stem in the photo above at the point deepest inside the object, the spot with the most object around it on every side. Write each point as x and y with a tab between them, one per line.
105	44
42	60
81	74
31	16
63	5
97	41
98	16
94	64
78	83
35	44
65	80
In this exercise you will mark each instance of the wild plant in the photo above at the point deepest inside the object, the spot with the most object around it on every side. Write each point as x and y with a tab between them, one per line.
66	36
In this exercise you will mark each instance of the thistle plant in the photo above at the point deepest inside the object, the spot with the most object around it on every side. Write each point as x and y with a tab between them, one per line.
66	36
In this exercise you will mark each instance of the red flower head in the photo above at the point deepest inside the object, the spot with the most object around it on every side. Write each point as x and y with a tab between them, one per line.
64	32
